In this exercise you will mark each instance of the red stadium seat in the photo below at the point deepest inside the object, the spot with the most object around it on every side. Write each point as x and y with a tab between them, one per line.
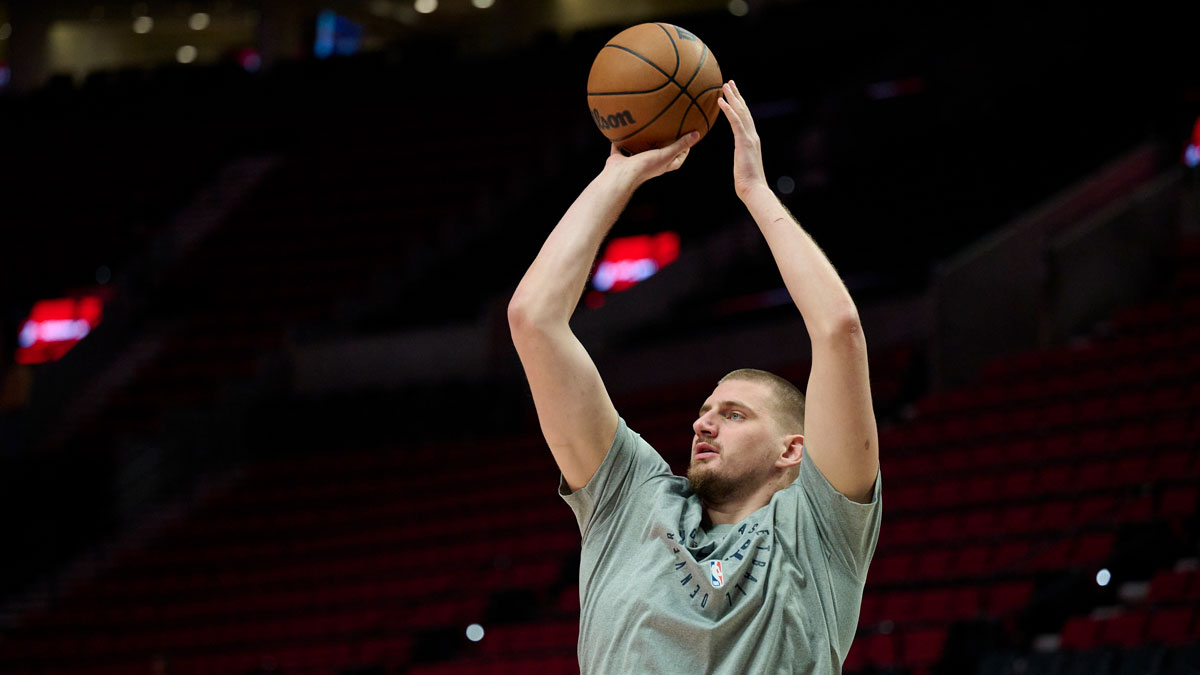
1098	510
974	562
908	498
1171	586
1017	519
1124	630
1171	626
1052	555
891	569
1006	598
945	527
981	521
1011	556
904	532
923	647
1093	548
947	604
1132	469
1094	474
946	493
1055	516
1055	480
935	565
1080	633
898	606
870	612
935	604
881	649
982	488
856	659
1179	502
1138	509
1173	466
1018	485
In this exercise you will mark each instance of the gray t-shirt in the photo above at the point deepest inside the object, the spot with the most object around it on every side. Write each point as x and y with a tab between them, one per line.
778	592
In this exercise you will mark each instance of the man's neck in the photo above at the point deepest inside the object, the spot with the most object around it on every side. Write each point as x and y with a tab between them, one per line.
733	510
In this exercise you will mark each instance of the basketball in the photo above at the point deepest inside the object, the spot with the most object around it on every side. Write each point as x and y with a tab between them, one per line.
652	84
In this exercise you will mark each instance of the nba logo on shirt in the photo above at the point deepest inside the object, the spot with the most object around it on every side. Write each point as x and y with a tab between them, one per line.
717	577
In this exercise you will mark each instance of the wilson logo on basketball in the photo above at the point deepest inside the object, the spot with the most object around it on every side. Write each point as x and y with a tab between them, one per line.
612	121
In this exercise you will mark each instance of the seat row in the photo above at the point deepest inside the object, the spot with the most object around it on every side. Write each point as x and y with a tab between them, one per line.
1166	422
1091	484
1140	660
1169	626
1154	371
943	604
1007	559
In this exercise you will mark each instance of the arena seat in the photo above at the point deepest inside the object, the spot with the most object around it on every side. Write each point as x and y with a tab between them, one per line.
1171	626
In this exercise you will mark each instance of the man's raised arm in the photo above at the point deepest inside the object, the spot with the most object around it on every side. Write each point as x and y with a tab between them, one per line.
576	415
839	421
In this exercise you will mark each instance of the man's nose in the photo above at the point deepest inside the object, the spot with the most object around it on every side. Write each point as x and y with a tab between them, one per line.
704	426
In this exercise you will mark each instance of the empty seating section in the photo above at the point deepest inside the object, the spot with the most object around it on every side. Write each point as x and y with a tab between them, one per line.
1168	618
312	565
1033	471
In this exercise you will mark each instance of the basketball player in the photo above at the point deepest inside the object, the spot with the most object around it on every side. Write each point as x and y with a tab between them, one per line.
756	562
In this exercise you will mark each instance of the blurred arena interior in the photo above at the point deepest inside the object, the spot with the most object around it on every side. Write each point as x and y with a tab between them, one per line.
294	437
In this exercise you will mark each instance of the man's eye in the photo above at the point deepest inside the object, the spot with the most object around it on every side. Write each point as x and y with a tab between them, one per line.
735	415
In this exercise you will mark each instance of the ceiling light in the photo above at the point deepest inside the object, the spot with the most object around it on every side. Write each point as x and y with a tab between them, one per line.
185	54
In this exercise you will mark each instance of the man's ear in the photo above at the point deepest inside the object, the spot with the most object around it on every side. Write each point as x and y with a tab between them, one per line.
793	453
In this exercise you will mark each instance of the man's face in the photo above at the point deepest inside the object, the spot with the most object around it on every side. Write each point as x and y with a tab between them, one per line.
736	441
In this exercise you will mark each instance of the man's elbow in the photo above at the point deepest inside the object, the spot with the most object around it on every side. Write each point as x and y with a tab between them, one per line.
525	315
519	313
841	325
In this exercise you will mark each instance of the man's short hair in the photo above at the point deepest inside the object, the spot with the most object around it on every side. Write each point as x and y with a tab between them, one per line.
789	400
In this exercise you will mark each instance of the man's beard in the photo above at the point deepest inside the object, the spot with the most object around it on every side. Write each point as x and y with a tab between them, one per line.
710	485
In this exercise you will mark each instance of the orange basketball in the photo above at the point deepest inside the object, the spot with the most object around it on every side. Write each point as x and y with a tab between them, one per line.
651	84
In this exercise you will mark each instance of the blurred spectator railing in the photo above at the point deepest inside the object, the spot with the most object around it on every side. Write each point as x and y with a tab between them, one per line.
1111	258
1034	281
69	389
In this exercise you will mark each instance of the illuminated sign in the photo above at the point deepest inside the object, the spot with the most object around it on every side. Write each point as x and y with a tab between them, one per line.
628	260
1191	154
336	35
54	326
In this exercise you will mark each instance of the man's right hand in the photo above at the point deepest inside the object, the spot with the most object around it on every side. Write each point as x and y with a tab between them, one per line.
643	166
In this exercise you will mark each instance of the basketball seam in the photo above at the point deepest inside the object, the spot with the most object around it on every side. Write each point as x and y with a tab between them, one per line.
626	93
684	88
700	107
670	77
652	120
674	46
695	104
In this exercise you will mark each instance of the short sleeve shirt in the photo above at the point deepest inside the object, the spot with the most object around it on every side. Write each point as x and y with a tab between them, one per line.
778	592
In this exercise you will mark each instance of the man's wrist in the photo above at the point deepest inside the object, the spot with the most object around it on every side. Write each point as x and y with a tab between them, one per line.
619	178
757	195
